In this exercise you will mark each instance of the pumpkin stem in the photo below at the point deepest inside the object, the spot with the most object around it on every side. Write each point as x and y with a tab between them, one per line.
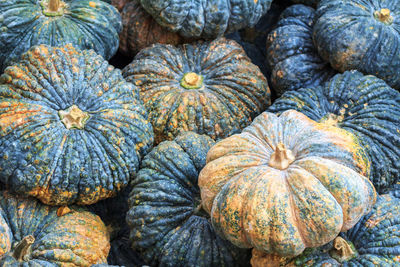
54	5
61	211
384	16
281	158
192	80
73	117
23	250
342	250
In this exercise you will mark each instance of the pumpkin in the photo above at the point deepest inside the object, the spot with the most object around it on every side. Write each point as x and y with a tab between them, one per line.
373	241
141	30
208	18
33	234
72	130
285	183
87	24
207	87
361	35
168	225
363	105
291	53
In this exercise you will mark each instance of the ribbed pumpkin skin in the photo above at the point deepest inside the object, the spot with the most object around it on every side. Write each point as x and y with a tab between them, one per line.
166	223
363	105
376	237
233	90
321	193
206	18
291	53
87	24
348	35
140	30
78	238
40	156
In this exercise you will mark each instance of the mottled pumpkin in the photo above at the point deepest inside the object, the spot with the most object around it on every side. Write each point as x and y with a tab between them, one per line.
285	183
362	35
72	130
140	30
373	241
363	105
207	87
33	234
207	18
86	24
291	53
168	224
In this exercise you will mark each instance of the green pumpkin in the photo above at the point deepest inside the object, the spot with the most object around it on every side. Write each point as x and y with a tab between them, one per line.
168	225
33	234
86	24
210	88
72	130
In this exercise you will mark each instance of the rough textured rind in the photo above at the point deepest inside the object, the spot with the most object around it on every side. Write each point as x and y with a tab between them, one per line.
86	24
78	238
233	90
376	238
363	105
348	35
206	18
39	156
322	192
291	53
140	30
167	224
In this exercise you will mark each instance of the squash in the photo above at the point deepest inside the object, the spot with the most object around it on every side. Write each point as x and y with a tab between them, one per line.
207	87
87	24
72	130
361	35
291	53
33	234
140	30
208	18
285	183
168	225
363	105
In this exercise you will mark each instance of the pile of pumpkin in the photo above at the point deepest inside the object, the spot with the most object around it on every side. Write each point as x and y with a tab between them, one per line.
180	159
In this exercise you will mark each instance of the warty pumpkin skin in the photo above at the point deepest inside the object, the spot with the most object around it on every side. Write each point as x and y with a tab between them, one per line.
362	35
363	105
291	53
72	130
86	24
207	87
285	183
206	18
33	234
168	225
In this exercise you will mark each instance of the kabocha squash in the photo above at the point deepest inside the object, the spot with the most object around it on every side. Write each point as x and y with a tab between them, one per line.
291	53
207	87
33	234
362	35
208	18
71	129
363	105
140	30
373	241
87	24
285	183
168	225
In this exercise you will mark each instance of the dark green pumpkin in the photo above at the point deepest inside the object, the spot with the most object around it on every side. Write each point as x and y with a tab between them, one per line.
207	18
168	224
72	130
207	87
362	35
363	105
291	53
373	241
86	24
